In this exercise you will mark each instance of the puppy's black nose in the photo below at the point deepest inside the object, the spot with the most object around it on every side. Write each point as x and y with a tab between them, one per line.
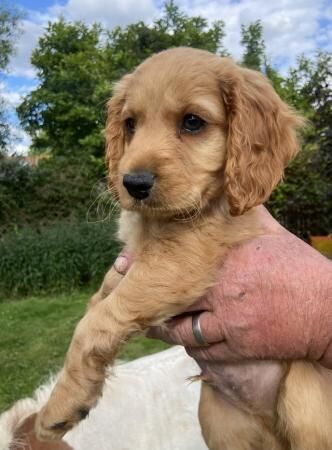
138	184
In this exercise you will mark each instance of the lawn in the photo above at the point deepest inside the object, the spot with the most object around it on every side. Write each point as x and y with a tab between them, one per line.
34	335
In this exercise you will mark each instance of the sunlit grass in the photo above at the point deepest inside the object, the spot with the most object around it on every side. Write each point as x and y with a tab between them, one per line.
34	335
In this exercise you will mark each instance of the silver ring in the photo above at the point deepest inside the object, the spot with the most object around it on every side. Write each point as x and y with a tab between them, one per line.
197	331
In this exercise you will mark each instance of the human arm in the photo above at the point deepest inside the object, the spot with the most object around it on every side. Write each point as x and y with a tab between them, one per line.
273	300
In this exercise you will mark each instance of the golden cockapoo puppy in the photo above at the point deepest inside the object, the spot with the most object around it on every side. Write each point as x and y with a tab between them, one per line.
194	144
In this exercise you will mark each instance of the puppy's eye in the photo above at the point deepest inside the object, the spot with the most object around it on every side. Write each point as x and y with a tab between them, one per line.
192	123
130	124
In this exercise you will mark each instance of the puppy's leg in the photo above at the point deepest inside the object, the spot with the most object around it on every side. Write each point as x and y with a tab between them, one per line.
305	407
110	282
226	427
144	297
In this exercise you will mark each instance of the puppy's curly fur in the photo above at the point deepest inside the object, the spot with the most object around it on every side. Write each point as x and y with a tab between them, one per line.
209	176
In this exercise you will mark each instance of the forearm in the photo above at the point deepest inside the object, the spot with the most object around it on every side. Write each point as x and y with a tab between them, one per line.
273	301
279	306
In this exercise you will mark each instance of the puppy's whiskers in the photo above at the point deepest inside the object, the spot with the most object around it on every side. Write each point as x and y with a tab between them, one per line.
191	211
105	205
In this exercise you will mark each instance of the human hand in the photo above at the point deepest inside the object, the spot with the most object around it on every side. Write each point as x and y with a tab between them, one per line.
273	301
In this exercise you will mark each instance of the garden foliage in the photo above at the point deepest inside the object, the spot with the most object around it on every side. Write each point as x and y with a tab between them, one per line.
56	258
46	241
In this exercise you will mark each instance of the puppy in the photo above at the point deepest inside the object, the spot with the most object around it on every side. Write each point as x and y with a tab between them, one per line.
194	144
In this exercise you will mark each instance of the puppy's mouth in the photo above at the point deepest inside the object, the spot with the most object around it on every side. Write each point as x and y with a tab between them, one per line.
180	212
144	195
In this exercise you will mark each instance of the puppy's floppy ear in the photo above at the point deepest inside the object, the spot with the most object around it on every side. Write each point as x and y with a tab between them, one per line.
114	128
261	137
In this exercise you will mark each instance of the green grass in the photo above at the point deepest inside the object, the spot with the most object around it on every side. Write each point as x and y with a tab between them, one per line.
34	336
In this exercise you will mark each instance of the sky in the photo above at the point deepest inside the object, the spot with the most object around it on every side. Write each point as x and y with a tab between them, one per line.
291	28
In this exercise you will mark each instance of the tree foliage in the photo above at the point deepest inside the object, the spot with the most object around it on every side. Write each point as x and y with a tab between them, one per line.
254	46
78	64
128	47
55	258
55	190
64	114
9	21
314	85
304	200
4	128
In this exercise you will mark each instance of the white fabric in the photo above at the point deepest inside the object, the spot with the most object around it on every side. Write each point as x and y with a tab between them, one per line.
147	404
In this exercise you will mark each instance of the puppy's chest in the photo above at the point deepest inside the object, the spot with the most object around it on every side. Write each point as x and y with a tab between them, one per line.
130	230
199	240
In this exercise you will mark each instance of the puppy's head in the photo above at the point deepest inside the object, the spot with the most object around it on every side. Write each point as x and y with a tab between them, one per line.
188	127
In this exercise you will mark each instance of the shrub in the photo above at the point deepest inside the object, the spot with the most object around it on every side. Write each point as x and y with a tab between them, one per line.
54	259
302	202
55	190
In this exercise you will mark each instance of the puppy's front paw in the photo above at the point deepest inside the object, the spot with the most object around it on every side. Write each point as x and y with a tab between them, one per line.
63	411
47	428
50	426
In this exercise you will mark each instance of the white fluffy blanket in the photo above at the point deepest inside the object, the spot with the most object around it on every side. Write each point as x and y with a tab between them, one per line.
147	404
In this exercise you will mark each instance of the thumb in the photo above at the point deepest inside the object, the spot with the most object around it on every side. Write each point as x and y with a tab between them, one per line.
123	262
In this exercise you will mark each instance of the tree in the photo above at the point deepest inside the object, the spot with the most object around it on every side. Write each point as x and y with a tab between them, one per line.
316	88
304	200
128	47
77	66
4	128
64	114
9	20
254	46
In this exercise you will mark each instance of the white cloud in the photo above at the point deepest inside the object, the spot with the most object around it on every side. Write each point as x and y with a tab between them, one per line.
20	140
13	97
31	29
109	13
291	27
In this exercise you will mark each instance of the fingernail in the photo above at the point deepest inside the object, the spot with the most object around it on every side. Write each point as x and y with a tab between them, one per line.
121	264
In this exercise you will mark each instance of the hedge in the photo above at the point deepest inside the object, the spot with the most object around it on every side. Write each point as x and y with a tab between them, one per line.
57	190
53	259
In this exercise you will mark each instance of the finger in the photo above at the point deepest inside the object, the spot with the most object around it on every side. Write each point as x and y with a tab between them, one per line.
202	304
123	262
217	352
179	330
162	333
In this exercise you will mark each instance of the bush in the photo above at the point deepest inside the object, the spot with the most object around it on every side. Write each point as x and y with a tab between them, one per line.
57	189
302	202
54	259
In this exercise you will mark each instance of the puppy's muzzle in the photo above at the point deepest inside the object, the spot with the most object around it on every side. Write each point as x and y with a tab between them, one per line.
138	184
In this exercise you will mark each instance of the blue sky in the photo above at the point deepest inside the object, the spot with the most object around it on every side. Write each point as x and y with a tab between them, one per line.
291	27
41	6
